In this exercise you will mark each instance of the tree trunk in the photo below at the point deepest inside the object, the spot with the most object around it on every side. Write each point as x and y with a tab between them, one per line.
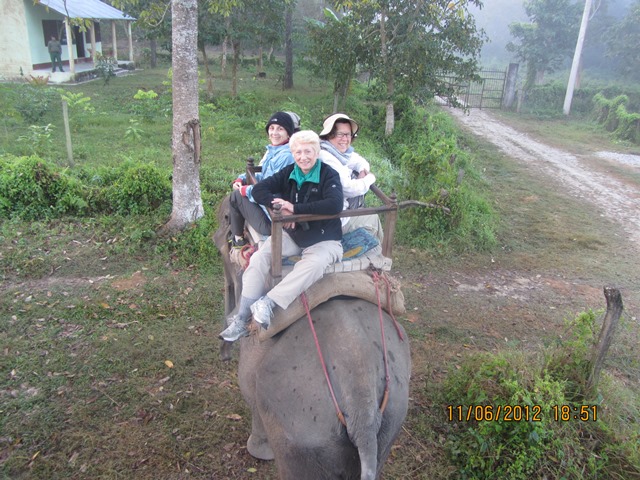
344	91
187	199
390	120
223	58
207	70
153	46
259	64
287	84
234	68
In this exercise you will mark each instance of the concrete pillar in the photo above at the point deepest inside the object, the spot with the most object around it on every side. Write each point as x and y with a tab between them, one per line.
130	36
510	86
93	43
114	40
67	28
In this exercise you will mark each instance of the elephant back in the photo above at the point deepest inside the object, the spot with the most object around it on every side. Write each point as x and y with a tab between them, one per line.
283	381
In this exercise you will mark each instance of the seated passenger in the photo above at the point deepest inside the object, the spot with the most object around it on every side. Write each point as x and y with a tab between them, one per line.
243	207
307	187
336	136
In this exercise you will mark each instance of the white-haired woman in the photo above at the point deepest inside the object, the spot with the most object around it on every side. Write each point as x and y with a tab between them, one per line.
306	187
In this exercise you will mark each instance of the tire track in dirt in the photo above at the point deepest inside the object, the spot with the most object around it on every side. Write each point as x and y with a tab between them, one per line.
610	197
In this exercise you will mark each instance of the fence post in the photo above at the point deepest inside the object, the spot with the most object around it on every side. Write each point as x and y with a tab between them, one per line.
614	310
67	131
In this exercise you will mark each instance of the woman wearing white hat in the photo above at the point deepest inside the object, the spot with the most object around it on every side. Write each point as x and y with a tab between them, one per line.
338	131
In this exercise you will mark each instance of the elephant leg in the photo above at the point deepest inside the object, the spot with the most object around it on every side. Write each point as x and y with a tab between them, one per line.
258	444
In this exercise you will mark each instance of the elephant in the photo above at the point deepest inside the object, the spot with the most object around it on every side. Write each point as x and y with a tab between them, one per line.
294	418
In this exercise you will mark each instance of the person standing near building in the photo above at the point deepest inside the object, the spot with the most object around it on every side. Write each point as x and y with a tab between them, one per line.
55	52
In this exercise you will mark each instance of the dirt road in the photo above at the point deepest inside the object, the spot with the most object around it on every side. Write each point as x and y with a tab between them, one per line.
610	196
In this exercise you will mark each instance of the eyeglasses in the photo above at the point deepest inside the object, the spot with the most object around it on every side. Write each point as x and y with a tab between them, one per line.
344	135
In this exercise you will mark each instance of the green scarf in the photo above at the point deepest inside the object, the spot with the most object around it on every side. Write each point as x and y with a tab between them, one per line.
313	176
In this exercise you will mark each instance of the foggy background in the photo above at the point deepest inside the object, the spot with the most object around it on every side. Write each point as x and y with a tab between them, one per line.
496	15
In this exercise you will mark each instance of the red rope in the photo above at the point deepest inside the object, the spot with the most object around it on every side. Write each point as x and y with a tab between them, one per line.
376	277
324	366
245	252
384	345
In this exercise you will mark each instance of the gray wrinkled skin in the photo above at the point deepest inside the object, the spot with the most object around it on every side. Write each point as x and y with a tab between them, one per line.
294	420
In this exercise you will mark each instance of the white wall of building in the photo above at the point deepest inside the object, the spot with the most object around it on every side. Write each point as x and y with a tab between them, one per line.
14	55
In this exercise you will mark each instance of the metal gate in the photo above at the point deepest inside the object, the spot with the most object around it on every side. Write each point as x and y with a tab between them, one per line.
487	93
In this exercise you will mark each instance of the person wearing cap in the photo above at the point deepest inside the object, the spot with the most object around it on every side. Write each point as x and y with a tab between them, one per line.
338	132
306	187
243	207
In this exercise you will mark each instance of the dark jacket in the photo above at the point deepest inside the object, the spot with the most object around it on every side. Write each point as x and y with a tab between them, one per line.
324	198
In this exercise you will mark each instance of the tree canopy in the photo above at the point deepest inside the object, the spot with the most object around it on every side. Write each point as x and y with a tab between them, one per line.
409	45
548	39
622	42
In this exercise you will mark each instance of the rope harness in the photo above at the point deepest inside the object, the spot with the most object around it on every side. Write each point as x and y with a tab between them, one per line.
377	277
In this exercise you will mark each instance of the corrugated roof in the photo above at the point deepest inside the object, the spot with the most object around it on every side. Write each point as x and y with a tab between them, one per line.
94	9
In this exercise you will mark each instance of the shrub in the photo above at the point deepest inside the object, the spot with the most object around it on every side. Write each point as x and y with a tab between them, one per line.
32	189
614	116
537	439
37	140
139	189
34	102
435	169
628	125
146	105
106	67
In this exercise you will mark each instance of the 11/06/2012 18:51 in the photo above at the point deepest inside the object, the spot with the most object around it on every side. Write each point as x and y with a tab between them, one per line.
520	413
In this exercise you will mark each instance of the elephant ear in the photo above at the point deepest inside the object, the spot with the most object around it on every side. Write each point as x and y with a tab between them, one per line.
222	234
358	284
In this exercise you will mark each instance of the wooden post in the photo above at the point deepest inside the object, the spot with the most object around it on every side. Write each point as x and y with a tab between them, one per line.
390	219
611	318
67	131
276	246
250	171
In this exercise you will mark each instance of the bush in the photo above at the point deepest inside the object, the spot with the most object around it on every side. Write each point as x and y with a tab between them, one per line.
614	116
34	102
436	170
139	189
106	67
533	436
32	189
547	100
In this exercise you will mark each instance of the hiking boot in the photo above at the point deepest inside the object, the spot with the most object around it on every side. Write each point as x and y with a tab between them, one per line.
237	328
238	244
262	311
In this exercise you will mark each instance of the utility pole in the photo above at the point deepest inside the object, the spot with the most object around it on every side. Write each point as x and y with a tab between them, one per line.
576	58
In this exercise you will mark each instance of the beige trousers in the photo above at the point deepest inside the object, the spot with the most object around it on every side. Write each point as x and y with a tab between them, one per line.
308	270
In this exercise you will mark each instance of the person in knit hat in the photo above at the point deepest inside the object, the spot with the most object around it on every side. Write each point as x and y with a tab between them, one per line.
243	207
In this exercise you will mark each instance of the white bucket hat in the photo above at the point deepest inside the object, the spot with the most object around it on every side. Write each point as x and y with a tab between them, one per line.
330	121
